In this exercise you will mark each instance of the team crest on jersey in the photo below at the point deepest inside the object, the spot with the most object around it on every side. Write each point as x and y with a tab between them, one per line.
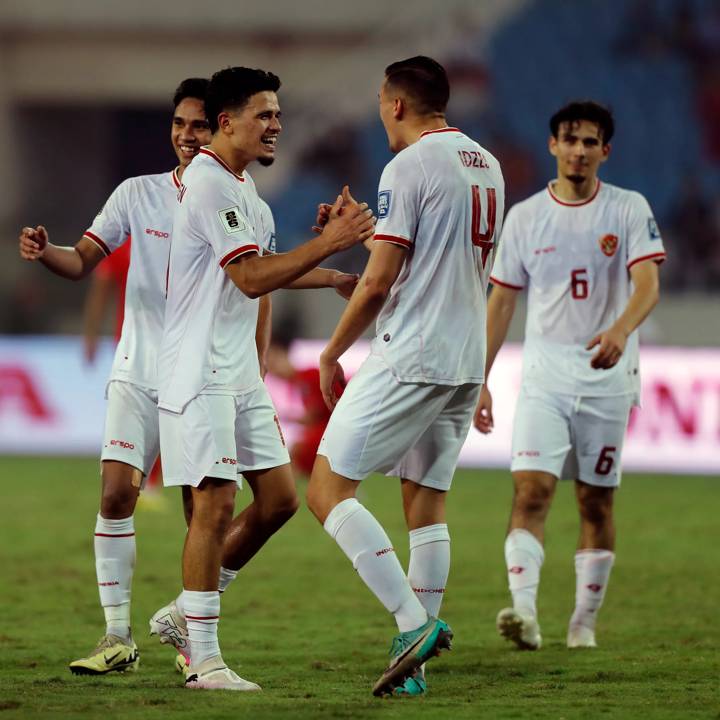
384	197
653	229
232	220
609	244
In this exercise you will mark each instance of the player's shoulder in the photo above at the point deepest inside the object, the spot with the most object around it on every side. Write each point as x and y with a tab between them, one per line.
624	196
530	205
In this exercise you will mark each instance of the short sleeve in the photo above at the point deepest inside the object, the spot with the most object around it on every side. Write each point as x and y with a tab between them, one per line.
111	226
267	234
508	270
221	216
399	202
644	241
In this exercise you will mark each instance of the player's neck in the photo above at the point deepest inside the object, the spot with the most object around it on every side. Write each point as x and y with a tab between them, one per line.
565	189
233	158
418	126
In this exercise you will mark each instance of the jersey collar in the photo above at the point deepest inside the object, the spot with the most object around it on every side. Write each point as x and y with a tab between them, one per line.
439	130
175	177
216	157
577	203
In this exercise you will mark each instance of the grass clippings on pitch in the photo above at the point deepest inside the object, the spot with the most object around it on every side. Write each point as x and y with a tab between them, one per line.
300	622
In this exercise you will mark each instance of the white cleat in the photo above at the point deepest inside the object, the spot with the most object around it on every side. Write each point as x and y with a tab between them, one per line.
171	628
213	674
580	636
521	629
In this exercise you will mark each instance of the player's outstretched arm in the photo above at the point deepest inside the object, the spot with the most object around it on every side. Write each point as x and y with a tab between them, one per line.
383	268
72	263
256	275
343	283
501	307
611	342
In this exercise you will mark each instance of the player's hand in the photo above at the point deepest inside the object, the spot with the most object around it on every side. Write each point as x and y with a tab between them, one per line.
32	242
332	378
323	215
349	222
483	418
611	347
344	283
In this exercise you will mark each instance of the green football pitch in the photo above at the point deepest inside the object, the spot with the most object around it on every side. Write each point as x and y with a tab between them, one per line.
301	623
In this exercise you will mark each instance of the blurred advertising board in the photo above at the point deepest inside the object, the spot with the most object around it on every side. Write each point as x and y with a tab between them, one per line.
52	402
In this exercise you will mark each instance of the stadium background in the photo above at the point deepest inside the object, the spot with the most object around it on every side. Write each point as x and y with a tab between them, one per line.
85	94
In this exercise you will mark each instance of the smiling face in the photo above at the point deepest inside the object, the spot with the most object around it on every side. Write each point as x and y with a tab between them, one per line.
579	150
254	128
190	129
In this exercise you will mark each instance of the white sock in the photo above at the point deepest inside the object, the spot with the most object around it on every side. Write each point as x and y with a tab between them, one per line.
114	565
226	577
524	557
202	613
179	604
363	540
429	565
592	572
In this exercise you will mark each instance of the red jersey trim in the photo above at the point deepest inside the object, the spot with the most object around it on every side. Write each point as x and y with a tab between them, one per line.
99	242
439	130
215	156
393	239
658	257
237	252
495	281
580	203
175	178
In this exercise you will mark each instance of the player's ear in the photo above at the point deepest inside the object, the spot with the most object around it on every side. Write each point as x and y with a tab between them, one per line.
606	152
398	108
225	122
552	145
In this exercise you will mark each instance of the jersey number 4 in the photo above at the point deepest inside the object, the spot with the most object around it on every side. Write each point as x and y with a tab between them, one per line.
483	240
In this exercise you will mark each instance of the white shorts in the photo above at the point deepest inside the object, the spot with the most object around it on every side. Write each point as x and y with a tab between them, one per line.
569	436
221	436
132	432
414	431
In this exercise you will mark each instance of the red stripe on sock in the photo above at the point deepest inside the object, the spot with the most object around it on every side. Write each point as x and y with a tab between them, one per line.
200	617
109	535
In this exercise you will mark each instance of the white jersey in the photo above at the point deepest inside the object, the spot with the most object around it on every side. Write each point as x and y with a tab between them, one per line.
443	198
141	207
208	342
575	260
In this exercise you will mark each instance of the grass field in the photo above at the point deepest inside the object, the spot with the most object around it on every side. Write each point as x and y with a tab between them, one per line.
300	622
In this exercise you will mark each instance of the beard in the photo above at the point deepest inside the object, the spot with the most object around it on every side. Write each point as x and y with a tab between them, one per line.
266	161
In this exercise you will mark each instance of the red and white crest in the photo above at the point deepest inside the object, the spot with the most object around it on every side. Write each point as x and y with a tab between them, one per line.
609	244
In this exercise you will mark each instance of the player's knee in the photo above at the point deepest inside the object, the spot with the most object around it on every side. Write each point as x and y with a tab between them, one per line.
282	509
532	498
118	500
596	510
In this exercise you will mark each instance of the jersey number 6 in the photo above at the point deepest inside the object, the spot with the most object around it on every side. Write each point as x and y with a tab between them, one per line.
483	240
579	284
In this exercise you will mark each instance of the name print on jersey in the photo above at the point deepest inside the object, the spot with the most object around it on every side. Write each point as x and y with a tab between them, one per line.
473	158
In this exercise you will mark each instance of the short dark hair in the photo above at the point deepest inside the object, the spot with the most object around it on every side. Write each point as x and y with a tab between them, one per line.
191	88
231	88
424	81
589	110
